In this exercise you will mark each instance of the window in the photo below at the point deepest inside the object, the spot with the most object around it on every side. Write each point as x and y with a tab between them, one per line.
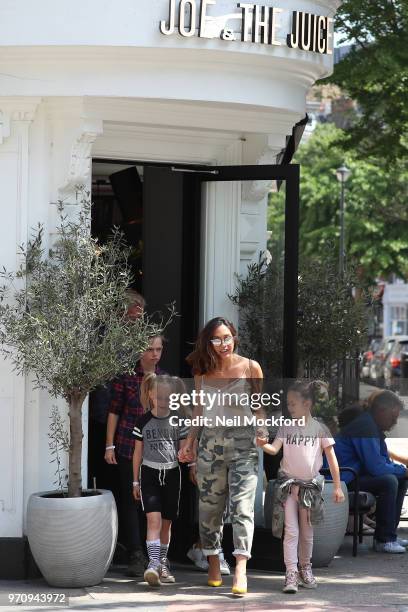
399	319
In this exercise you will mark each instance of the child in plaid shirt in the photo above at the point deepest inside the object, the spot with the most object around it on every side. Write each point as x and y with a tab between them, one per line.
124	410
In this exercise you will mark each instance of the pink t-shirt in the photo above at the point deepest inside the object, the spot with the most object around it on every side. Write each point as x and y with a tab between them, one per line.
303	448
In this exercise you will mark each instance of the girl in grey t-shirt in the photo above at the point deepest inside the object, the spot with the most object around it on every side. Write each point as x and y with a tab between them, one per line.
156	470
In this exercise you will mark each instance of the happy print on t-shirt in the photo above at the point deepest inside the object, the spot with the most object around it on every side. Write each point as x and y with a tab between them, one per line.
303	448
300	439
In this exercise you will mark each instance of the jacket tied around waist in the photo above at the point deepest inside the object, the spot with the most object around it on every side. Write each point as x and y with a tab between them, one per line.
309	497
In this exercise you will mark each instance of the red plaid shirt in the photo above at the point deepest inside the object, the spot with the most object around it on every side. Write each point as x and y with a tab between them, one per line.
125	402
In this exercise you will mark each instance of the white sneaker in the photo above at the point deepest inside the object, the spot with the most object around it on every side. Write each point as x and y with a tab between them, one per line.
402	542
291	582
306	578
224	567
152	574
389	547
198	558
166	577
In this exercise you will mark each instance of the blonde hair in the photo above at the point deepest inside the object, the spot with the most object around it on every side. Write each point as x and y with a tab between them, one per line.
151	381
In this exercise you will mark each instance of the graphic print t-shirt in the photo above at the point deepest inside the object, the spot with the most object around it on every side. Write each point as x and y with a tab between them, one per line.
303	448
160	437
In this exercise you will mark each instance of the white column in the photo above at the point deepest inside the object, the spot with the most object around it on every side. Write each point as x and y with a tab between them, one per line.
60	159
259	149
16	116
221	242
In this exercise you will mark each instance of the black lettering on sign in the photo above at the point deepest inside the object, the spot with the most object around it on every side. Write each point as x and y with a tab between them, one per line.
306	31
168	29
227	34
203	17
189	7
260	24
311	33
274	26
246	20
293	38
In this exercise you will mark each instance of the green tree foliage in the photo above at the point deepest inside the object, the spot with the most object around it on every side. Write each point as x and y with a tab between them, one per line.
259	297
331	323
376	216
375	74
63	318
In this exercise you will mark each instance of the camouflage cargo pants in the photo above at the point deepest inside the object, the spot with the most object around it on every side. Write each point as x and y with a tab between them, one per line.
227	467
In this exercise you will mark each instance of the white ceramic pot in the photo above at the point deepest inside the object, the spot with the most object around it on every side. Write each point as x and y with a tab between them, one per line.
72	539
329	535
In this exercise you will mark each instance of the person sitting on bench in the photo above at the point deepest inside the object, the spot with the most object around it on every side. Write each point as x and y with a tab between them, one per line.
361	445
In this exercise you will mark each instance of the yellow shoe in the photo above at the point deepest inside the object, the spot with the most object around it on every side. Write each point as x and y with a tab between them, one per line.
240	591
214	583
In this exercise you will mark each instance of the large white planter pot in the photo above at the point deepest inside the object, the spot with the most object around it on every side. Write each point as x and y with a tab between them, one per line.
328	535
72	539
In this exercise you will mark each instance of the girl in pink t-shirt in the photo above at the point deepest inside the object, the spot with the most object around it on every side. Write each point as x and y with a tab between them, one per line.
303	448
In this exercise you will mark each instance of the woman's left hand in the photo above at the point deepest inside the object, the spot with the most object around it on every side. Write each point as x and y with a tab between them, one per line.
338	495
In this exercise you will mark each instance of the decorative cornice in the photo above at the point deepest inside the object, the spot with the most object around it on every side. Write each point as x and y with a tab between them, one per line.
292	65
16	109
254	191
257	190
20	108
220	116
4	126
80	164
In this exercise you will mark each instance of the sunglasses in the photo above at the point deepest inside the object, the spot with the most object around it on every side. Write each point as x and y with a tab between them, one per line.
220	341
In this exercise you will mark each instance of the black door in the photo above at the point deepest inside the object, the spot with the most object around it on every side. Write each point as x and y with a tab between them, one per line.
171	263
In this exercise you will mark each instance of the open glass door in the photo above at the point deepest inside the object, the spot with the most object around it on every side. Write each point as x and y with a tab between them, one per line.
173	201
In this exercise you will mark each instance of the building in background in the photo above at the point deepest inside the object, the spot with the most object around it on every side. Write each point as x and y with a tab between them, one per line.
395	305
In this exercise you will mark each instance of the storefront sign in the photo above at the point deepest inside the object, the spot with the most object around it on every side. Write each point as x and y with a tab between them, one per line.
258	24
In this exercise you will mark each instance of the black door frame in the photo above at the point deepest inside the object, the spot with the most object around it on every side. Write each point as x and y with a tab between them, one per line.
290	174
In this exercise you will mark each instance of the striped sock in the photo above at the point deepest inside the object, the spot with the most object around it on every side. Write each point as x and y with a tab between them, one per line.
163	551
153	550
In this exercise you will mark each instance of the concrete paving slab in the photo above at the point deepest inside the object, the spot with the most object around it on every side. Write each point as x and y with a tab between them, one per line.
372	582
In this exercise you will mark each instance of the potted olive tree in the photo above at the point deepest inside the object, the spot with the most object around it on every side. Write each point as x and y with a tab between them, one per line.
63	320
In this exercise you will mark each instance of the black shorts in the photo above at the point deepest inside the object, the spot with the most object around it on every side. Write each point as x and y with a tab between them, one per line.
160	491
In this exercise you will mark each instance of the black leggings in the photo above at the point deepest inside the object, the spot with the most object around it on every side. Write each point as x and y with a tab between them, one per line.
131	511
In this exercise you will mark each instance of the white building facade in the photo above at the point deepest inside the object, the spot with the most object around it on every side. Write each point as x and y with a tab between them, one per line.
223	84
395	303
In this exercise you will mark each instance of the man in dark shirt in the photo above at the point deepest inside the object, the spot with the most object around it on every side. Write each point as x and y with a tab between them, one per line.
361	445
99	472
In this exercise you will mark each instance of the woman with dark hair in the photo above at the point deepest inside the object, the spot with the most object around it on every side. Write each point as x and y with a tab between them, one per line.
227	464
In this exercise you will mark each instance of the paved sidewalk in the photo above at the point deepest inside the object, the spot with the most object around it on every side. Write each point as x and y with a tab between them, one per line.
371	582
